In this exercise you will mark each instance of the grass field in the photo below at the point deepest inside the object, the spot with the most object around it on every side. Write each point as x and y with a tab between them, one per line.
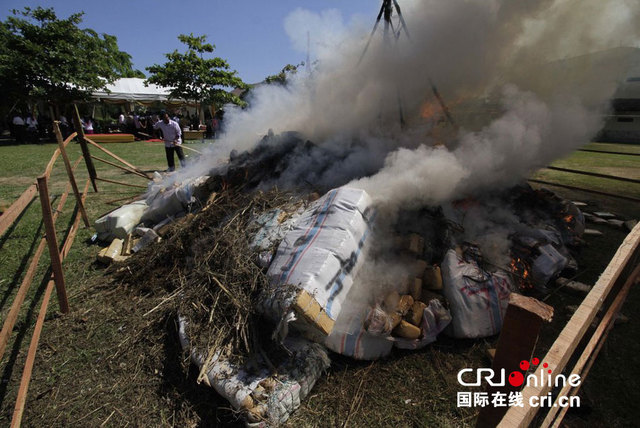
107	362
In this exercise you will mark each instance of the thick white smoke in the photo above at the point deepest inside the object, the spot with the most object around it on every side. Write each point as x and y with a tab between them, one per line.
473	51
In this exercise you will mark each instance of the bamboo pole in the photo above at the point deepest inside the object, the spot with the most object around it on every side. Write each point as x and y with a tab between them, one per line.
56	262
72	179
120	167
121	183
116	157
35	339
85	148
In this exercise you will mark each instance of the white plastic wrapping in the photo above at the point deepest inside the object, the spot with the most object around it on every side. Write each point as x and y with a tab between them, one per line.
120	222
321	254
478	300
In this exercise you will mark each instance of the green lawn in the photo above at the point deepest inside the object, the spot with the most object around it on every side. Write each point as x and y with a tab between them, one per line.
100	360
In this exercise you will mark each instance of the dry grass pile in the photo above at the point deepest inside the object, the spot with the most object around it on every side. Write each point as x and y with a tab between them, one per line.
207	269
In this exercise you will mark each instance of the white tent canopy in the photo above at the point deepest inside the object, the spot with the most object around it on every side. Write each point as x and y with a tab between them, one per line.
132	89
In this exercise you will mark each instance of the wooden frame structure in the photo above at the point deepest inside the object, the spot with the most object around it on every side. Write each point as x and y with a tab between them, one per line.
49	216
610	292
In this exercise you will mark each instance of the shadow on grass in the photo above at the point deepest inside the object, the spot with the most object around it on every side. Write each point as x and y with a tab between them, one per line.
23	327
25	259
211	408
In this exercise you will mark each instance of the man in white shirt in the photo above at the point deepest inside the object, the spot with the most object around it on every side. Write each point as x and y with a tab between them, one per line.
171	134
19	130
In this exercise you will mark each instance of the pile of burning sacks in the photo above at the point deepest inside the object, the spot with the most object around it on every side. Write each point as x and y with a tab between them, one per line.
344	279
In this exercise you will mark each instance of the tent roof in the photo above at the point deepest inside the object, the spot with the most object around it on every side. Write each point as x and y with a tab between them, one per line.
133	89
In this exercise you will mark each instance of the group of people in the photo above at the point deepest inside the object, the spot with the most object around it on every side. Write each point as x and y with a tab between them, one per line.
25	128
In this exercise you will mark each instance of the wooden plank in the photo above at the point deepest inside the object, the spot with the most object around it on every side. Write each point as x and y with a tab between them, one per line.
85	148
121	183
52	242
582	189
14	211
35	339
119	166
72	180
583	365
31	356
625	259
16	305
593	174
520	330
116	157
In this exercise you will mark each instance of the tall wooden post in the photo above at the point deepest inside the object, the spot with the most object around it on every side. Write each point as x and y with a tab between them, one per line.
72	180
85	148
52	242
518	338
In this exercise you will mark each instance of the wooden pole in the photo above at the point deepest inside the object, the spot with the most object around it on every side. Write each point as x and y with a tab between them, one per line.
14	311
124	168
518	338
623	262
582	189
14	211
85	148
72	180
121	183
584	363
35	339
56	262
116	157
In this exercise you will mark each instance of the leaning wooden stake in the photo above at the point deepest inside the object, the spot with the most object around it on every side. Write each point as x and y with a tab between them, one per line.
56	262
35	339
116	157
72	179
124	168
518	338
13	212
85	148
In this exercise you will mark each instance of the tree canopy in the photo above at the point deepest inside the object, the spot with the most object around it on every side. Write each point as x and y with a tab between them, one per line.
194	77
43	57
281	78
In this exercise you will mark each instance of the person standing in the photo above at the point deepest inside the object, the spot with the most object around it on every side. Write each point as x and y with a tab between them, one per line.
171	135
32	129
18	128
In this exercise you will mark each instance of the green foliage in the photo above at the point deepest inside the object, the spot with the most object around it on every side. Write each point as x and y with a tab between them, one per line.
43	57
281	78
196	78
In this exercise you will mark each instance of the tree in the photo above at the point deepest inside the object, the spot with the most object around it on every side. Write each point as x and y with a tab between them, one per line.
195	78
46	58
281	78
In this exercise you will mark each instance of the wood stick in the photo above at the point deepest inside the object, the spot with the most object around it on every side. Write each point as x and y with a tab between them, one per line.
522	323
582	189
14	311
120	166
594	174
14	211
121	183
99	147
56	262
31	356
72	180
588	356
625	259
35	339
85	148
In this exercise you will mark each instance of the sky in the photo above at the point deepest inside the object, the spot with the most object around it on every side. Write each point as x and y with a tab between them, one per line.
250	35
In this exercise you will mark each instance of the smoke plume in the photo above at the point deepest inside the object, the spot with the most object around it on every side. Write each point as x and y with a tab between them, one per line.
514	75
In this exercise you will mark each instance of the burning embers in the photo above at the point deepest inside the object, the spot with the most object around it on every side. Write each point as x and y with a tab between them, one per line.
520	270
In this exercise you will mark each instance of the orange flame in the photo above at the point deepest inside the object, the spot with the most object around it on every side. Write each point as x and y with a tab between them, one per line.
520	268
429	110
